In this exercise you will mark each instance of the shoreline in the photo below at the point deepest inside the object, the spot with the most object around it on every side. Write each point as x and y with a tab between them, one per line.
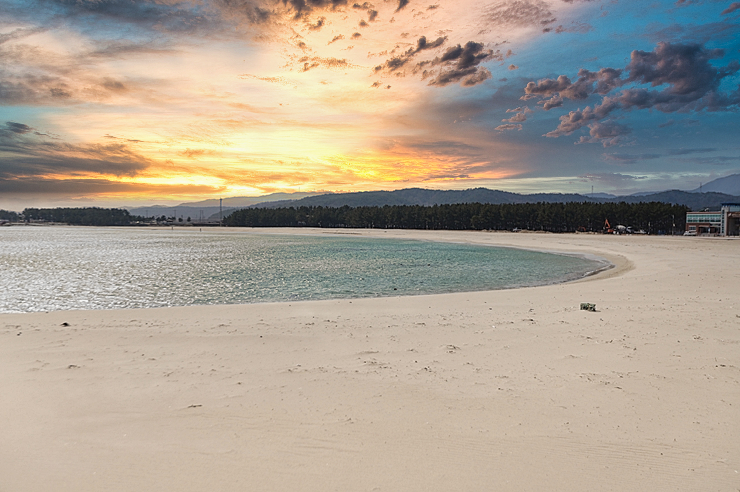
514	389
615	265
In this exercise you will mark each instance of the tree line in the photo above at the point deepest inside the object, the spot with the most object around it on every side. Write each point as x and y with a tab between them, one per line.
652	217
8	215
89	216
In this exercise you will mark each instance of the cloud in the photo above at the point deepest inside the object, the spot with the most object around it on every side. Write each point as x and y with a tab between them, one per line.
733	7
577	27
461	63
691	151
395	63
507	127
518	13
20	33
608	133
402	4
601	82
22	187
336	38
303	8
178	17
13	127
520	116
28	153
319	24
611	178
684	73
311	62
580	118
631	158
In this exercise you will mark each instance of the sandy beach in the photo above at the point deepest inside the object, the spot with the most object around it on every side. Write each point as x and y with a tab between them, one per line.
511	390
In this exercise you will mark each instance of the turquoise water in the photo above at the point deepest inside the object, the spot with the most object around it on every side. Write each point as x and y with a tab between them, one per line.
60	268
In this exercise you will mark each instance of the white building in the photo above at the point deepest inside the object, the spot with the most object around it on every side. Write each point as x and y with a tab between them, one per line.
725	222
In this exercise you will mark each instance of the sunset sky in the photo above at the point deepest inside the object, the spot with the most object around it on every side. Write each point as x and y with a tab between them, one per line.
132	102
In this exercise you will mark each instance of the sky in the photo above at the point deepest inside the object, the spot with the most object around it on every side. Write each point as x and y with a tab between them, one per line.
137	102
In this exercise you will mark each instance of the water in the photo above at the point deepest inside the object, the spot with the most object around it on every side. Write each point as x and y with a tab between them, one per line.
59	268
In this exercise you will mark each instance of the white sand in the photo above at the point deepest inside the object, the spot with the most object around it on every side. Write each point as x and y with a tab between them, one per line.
505	390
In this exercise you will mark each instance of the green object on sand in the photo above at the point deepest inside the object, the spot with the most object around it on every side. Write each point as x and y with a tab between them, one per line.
587	306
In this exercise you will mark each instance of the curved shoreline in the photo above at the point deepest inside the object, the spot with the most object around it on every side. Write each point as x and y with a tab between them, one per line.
471	238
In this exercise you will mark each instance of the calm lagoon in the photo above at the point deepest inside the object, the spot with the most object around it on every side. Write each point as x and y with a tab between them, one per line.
61	268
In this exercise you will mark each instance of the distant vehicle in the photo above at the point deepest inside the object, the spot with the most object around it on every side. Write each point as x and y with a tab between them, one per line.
689	233
516	229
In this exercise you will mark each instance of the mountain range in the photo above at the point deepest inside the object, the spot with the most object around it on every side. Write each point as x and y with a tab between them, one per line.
712	195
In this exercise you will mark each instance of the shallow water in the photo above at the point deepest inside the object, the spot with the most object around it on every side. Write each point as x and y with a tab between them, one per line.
59	268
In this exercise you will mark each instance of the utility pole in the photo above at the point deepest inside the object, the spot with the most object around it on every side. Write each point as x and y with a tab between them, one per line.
220	212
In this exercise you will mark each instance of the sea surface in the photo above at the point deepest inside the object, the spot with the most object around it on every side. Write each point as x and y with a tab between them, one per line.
61	268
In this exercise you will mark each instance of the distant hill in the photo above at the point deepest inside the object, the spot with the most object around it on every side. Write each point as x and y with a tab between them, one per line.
729	185
209	210
419	196
246	201
599	195
695	201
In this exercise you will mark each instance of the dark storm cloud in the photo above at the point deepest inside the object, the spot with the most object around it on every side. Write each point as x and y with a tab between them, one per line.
27	152
689	83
